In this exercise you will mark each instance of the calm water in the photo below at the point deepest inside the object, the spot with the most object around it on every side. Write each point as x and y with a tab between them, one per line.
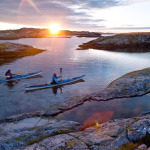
100	68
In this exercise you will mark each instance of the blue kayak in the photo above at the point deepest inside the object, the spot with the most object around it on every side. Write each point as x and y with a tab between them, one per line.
63	82
21	76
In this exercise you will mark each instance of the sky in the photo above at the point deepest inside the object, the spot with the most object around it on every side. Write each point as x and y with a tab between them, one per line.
77	15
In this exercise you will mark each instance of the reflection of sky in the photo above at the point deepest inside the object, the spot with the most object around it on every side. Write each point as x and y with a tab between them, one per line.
100	67
122	108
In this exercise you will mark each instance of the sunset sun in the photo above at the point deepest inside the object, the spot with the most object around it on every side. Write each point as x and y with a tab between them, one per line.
54	28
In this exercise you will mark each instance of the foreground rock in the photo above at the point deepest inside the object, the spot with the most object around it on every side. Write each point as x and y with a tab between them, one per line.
12	51
16	134
52	134
121	42
132	84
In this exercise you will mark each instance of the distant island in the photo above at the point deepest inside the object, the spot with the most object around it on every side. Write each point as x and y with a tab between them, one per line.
43	33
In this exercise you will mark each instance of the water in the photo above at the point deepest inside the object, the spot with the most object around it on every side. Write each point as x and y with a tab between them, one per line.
100	68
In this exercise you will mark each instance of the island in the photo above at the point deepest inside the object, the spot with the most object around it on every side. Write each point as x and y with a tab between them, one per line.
12	51
43	33
131	42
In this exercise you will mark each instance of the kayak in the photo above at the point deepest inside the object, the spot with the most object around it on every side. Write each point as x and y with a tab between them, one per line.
21	76
63	82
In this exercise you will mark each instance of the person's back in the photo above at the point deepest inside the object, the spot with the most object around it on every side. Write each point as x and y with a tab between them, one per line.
8	74
54	79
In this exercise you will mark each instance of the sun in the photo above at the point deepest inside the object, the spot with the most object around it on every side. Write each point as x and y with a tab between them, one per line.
54	28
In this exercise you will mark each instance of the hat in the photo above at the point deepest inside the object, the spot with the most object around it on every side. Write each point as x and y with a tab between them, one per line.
54	74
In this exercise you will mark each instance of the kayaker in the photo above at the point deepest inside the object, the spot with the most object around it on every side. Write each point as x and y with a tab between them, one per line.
8	74
54	79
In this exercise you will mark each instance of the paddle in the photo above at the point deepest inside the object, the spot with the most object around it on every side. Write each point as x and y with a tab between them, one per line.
19	74
61	73
15	75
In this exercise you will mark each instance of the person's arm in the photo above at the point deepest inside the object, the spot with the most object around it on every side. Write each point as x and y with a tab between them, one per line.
56	79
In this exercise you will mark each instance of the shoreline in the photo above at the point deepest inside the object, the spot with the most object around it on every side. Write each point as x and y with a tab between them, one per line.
9	52
120	43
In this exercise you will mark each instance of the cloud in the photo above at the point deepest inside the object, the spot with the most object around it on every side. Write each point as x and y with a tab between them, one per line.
86	4
68	12
130	28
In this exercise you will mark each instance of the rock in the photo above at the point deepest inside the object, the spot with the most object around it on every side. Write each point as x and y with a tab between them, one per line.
33	147
28	131
121	42
66	105
12	51
50	133
136	83
62	141
141	147
138	130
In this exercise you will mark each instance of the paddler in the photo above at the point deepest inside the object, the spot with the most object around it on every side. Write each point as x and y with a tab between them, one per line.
54	79
8	74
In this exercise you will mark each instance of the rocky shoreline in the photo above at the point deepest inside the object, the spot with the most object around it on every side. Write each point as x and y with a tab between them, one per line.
52	134
121	43
12	51
42	130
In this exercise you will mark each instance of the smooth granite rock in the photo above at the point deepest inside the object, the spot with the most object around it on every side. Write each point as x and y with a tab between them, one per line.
52	134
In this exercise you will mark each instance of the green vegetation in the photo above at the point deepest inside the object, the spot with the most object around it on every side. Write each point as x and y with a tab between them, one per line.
2	46
70	143
128	146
